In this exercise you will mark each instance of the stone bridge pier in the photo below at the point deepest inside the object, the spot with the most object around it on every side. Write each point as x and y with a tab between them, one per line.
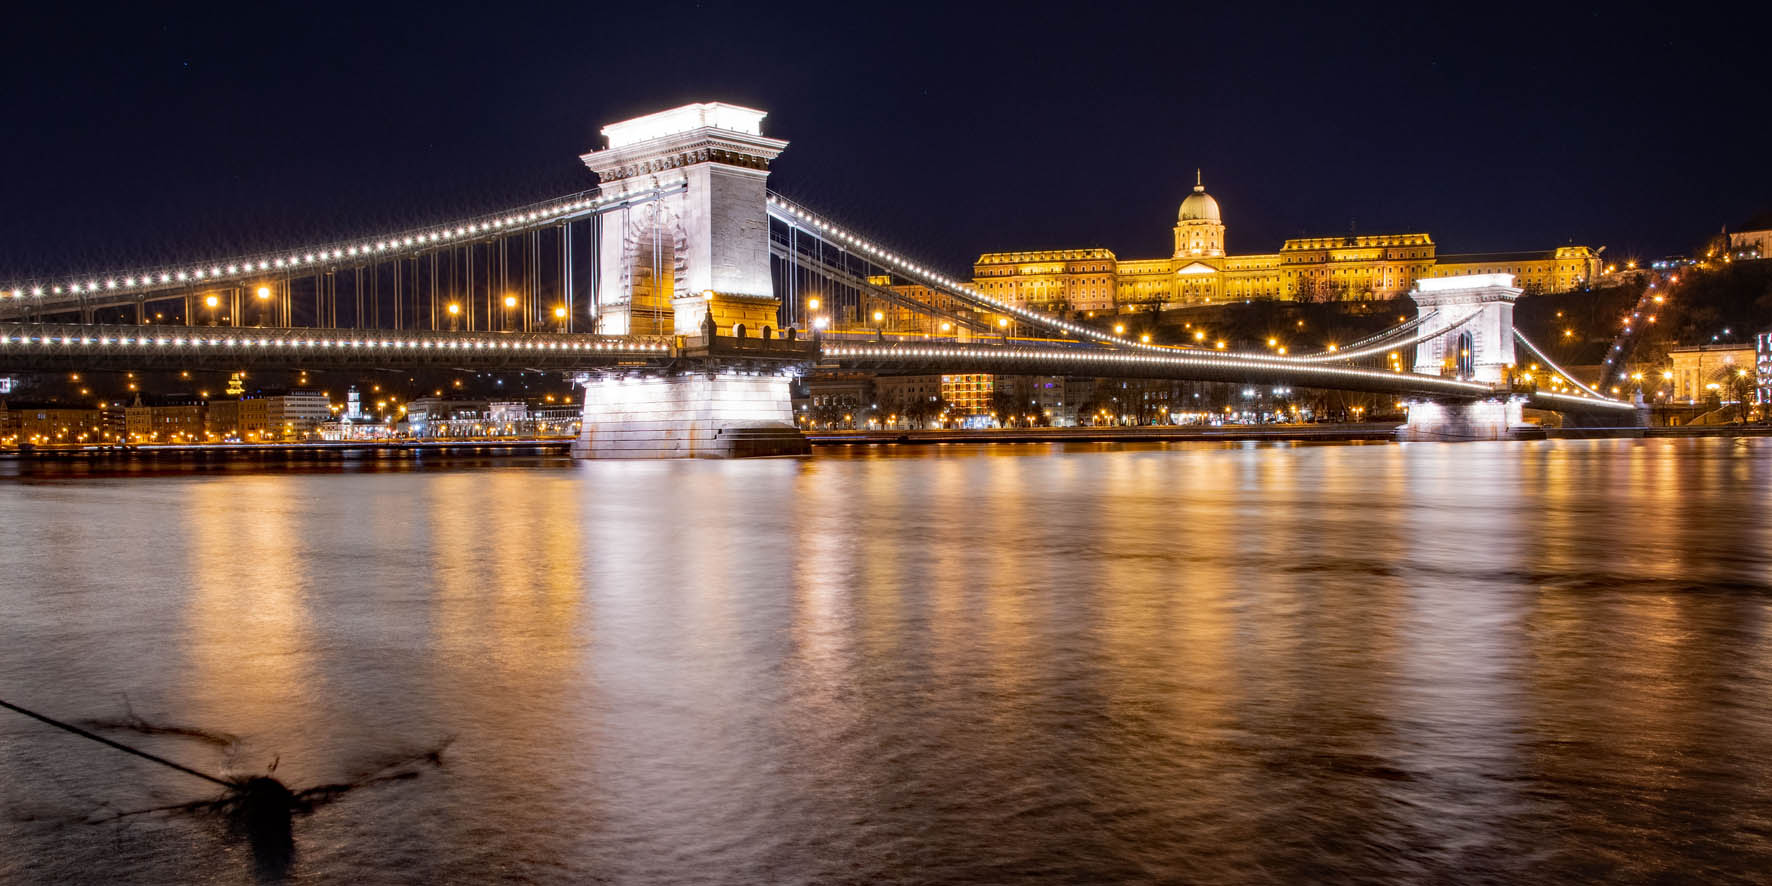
690	259
1476	313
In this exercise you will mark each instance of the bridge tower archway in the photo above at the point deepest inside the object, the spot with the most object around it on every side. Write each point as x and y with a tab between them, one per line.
1463	361
650	274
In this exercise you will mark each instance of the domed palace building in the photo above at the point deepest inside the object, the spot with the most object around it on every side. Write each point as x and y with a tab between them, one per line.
1200	271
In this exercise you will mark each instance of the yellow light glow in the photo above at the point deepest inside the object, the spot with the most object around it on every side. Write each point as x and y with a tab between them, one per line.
510	301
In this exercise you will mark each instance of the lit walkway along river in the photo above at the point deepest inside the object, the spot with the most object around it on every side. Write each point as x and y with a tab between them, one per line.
1193	662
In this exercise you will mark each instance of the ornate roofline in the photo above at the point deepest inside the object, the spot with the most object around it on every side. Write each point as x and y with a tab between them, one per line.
702	145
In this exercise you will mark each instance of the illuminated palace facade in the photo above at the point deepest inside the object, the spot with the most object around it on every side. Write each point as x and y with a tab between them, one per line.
1200	271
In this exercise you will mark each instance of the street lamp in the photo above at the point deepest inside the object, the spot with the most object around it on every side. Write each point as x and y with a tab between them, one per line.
454	311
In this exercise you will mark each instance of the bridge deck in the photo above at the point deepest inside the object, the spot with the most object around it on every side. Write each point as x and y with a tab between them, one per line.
53	347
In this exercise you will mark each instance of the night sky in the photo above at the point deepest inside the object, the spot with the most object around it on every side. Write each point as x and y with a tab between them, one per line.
138	136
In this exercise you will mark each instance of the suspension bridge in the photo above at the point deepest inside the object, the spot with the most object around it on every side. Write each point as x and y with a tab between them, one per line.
685	295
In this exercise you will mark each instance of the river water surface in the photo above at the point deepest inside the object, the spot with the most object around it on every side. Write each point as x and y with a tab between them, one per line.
1087	663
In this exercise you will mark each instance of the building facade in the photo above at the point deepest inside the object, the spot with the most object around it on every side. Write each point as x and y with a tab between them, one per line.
170	423
47	424
1750	245
1200	270
1763	366
1700	369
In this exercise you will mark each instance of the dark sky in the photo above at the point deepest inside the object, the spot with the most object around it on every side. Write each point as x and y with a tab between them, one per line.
138	135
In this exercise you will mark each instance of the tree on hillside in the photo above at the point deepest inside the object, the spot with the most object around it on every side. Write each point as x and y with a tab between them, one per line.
1739	386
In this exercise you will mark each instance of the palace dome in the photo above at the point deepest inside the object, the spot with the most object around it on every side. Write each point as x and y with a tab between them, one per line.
1199	206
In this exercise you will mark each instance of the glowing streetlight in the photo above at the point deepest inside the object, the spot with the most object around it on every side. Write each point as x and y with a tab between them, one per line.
510	301
453	309
813	303
212	301
263	293
560	313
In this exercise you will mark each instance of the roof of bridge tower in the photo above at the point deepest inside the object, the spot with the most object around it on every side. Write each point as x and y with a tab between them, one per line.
718	115
1199	205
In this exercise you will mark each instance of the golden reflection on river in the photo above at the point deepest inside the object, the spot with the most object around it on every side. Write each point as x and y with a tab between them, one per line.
1225	663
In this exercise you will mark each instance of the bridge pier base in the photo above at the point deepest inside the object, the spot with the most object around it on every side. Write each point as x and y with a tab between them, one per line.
1457	420
692	415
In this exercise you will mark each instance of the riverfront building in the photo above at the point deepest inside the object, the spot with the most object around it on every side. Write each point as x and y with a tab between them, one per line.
294	415
1699	369
1200	269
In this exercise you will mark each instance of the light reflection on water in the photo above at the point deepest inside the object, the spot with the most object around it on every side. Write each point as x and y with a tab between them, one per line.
1093	662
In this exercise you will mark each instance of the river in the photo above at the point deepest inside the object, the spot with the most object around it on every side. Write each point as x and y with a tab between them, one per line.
1190	662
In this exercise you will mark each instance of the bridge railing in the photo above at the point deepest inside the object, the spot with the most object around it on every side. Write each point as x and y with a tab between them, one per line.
775	347
51	345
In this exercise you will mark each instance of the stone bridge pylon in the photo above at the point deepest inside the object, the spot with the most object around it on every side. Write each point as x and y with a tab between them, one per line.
688	256
1474	317
695	239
